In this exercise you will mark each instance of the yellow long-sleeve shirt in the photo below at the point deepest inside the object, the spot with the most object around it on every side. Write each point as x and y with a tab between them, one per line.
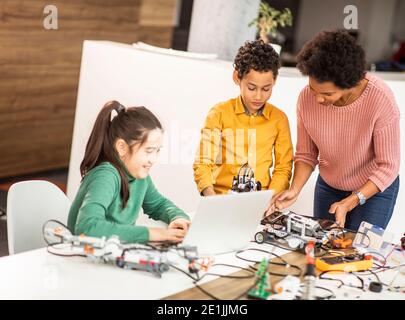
232	137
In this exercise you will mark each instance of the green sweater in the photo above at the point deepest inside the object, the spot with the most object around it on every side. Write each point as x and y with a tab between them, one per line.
97	209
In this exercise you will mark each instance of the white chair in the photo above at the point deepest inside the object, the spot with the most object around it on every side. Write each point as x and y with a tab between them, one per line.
29	205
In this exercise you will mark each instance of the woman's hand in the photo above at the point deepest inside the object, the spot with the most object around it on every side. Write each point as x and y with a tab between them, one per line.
281	201
340	209
179	223
170	235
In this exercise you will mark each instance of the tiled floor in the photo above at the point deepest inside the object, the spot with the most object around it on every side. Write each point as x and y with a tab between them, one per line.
58	177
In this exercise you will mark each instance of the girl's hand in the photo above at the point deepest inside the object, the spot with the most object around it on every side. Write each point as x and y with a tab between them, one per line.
281	201
179	223
170	235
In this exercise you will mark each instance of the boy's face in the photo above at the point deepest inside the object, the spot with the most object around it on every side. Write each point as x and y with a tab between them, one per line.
255	88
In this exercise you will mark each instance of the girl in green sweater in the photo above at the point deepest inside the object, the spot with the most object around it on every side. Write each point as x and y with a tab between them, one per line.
116	181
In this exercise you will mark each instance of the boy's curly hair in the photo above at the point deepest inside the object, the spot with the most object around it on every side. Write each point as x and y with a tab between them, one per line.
258	56
333	56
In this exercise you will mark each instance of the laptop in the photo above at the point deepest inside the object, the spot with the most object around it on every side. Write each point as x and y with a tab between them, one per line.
226	223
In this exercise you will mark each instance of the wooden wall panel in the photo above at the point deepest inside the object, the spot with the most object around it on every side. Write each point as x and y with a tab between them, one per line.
157	13
39	72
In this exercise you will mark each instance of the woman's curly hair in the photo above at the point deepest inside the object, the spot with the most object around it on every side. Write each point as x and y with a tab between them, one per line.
333	56
258	56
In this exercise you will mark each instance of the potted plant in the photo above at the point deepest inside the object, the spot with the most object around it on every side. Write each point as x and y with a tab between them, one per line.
269	20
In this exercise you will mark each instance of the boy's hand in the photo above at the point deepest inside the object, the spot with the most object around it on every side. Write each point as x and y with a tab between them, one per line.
208	191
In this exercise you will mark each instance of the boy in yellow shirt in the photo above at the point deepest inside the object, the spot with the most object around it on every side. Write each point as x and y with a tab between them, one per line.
246	130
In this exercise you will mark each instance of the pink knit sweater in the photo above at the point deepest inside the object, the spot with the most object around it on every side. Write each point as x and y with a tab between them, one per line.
353	143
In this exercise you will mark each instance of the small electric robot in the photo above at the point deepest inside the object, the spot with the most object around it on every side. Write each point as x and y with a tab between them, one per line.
282	225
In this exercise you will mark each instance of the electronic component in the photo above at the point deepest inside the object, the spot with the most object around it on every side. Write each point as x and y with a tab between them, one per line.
244	181
261	290
280	225
375	287
128	256
309	278
346	263
341	243
373	238
289	285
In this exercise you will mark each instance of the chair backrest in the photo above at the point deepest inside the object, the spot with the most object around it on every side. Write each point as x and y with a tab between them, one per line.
29	205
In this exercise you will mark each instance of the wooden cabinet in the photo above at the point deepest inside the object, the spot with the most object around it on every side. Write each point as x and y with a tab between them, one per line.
39	70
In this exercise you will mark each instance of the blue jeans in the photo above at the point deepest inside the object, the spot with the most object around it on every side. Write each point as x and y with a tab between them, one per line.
377	210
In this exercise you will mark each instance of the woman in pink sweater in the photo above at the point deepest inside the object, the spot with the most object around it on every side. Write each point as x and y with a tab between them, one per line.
348	125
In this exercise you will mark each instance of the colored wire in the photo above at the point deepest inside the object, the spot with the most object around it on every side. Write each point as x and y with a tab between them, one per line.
284	262
212	296
322	277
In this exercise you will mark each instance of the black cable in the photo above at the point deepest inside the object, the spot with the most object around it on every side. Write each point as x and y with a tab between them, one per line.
274	243
259	250
206	292
285	263
361	287
382	269
182	271
196	280
378	254
377	277
369	240
124	251
228	276
216	298
225	276
331	293
331	279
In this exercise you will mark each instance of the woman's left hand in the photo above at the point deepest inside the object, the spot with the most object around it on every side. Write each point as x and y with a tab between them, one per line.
179	223
341	208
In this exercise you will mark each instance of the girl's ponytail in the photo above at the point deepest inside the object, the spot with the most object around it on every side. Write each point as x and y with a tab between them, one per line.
99	142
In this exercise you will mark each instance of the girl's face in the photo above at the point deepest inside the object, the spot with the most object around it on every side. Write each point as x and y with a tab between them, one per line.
143	157
255	88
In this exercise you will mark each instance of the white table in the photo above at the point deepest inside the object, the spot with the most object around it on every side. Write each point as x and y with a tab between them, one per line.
38	274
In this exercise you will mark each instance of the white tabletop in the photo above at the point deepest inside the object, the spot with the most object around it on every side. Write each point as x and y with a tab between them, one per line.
38	274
